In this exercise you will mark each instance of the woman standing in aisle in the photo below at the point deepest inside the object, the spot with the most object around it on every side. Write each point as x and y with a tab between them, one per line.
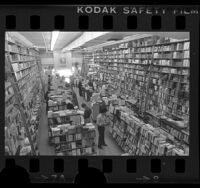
101	123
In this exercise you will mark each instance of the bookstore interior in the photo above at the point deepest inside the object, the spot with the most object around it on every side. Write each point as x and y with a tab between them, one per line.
97	93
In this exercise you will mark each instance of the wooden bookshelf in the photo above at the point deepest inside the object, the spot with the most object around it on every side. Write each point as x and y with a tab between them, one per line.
155	74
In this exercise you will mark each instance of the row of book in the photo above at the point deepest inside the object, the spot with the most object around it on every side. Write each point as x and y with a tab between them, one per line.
20	66
67	138
24	72
173	44
156	55
166	48
57	107
156	62
185	63
19	57
170	55
164	69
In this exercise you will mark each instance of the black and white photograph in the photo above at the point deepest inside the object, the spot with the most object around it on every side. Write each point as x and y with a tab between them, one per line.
97	93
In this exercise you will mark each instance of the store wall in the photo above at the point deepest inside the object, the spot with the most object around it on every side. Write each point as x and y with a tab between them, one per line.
62	62
68	57
66	60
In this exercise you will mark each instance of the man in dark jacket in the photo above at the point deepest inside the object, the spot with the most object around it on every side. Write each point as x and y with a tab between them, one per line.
80	88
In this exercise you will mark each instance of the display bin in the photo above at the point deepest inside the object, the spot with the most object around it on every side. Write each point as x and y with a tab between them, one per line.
72	130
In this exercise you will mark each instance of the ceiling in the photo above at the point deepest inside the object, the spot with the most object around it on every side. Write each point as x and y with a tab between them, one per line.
39	39
43	39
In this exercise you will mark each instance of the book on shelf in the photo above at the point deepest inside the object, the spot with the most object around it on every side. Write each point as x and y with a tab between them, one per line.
78	151
186	45
73	145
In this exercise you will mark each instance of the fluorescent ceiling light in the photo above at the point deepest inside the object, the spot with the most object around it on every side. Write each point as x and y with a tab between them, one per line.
54	38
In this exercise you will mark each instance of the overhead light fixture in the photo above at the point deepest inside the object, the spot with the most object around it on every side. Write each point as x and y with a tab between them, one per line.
54	38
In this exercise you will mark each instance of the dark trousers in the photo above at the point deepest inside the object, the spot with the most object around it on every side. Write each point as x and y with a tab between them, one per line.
80	91
101	130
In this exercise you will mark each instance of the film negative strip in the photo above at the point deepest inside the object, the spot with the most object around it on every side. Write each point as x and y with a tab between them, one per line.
171	21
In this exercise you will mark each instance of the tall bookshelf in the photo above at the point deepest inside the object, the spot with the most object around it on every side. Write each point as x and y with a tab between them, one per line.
152	70
22	96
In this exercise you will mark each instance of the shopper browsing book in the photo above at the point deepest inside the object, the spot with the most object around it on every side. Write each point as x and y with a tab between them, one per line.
87	113
101	123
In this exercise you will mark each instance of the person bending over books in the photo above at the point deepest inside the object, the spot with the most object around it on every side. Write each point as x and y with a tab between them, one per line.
70	106
101	123
87	113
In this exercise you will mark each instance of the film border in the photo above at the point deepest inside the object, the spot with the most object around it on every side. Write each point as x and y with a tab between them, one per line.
168	22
